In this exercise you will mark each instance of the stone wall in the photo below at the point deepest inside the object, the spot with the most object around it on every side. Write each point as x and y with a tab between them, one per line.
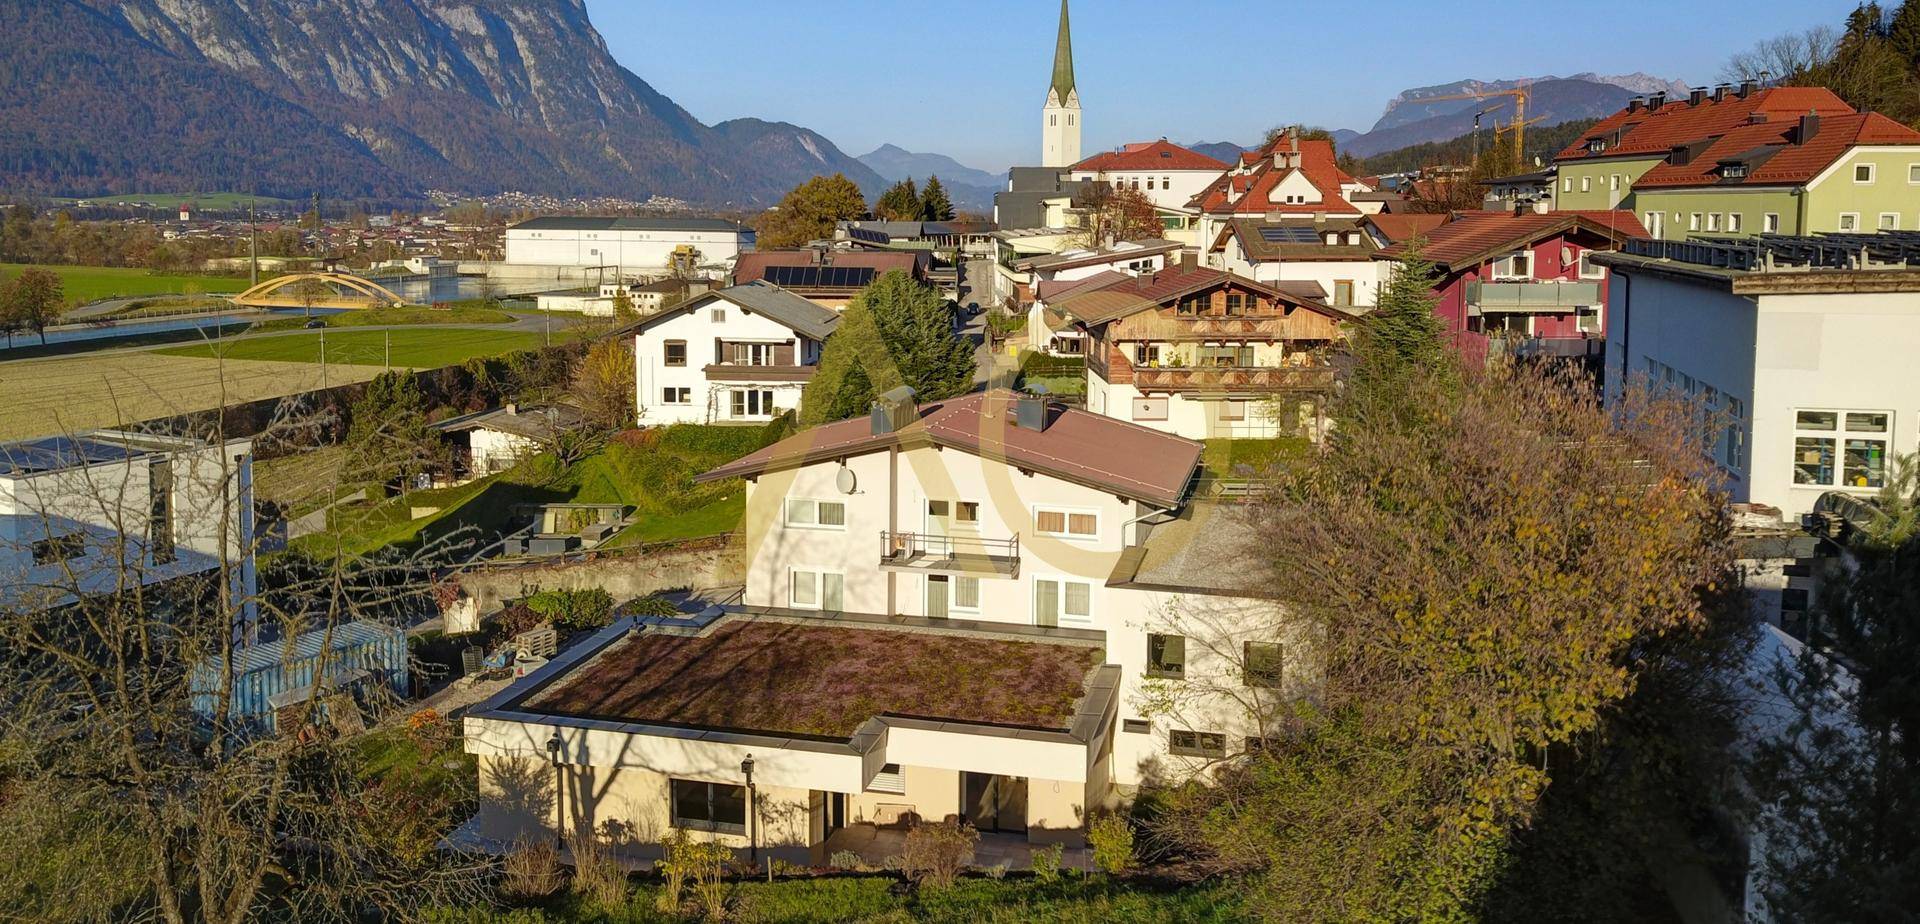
625	577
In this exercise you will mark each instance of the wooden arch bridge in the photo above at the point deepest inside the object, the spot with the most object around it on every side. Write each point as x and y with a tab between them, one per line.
318	290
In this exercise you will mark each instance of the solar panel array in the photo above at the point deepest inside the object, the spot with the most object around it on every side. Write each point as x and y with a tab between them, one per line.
57	452
1290	235
1854	250
820	277
869	236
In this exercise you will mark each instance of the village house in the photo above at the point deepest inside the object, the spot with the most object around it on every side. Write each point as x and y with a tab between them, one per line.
825	276
494	440
1204	353
1335	253
1167	174
742	354
1288	177
91	512
988	609
1800	349
1523	281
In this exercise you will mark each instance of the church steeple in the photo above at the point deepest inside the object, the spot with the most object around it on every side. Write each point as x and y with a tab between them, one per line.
1062	89
1060	125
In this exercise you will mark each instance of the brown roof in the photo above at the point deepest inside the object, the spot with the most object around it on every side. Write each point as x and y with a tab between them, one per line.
1657	131
1474	236
1077	446
1775	154
753	265
1258	247
1399	226
1149	291
1150	155
1252	188
824	681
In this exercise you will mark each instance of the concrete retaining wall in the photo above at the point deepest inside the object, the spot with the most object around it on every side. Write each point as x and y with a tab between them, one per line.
625	578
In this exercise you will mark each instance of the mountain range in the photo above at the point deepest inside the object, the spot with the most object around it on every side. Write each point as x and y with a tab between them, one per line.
361	99
967	187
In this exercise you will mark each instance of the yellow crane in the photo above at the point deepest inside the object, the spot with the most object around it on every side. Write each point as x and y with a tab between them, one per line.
1520	95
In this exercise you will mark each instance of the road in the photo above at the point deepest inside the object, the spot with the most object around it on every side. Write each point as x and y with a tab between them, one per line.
989	367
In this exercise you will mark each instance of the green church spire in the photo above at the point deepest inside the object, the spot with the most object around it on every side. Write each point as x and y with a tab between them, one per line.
1063	60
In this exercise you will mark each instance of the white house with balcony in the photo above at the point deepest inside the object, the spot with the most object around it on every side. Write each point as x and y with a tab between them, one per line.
1800	350
742	354
102	510
987	609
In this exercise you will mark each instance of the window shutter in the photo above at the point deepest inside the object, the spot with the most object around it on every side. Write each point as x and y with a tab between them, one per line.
783	354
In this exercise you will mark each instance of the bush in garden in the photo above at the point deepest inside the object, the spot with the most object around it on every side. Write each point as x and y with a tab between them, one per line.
1046	862
597	876
532	870
936	853
574	610
429	730
518	618
701	865
1112	840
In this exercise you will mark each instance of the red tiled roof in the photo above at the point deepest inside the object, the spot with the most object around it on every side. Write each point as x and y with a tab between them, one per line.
1656	131
1474	236
1254	186
1124	458
1400	226
753	265
1150	155
1773	155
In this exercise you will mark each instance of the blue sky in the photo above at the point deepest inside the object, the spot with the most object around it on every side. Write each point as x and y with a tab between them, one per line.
967	79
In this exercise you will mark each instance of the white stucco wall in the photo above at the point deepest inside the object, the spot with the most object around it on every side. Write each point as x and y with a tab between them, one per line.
709	400
627	250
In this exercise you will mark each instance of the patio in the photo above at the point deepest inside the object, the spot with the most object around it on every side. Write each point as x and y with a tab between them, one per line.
875	844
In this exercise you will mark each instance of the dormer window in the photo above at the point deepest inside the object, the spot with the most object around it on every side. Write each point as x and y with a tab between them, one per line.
1596	145
1733	171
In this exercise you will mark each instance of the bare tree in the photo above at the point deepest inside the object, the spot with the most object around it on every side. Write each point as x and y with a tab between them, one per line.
1787	58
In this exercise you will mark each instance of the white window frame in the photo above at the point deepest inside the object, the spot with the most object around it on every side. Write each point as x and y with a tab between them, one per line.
1913	174
817	578
813	504
1693	221
1849	221
1770	223
953	593
1589	269
676	395
1713	221
717	316
1061	581
746	412
1656	223
1838	437
1068	513
1507	267
1884	225
1734	221
1586	184
1566	184
1873	173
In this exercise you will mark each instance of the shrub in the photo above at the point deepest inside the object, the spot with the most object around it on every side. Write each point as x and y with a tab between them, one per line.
655	605
936	853
532	870
846	859
1046	862
701	864
574	610
518	618
429	730
597	876
1112	840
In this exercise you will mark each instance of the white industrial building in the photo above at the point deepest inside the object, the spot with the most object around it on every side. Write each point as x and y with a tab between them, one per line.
624	246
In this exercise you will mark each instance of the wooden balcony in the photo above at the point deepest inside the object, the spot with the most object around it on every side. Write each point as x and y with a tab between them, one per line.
964	556
1233	379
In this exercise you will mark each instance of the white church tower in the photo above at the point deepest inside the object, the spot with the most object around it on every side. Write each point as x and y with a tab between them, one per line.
1060	125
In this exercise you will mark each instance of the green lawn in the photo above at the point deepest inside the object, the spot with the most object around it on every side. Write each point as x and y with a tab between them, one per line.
722	516
1222	455
84	284
417	349
1071	898
393	317
217	201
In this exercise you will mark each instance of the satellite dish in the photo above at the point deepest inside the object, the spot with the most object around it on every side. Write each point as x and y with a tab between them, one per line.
845	481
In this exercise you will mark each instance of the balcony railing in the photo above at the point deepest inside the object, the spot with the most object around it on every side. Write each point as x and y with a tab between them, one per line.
1233	378
1532	297
934	553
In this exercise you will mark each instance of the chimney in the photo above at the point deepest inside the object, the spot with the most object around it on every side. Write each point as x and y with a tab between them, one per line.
1747	87
893	411
1657	99
1697	96
1720	92
1634	104
1521	208
513	410
1030	412
1809	127
1756	117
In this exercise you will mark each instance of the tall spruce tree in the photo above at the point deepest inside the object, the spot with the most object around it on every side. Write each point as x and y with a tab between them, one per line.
1399	341
901	202
895	332
934	203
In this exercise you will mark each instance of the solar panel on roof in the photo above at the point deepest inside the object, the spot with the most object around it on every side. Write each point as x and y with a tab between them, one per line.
828	277
1289	236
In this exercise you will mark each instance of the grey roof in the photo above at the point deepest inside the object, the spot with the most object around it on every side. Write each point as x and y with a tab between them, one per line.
762	297
620	223
535	423
54	453
1210	548
1124	250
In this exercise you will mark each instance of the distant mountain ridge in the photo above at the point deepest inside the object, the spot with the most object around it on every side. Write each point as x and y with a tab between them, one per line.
967	187
356	99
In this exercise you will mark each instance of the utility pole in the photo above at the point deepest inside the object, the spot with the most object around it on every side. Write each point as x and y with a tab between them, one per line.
253	245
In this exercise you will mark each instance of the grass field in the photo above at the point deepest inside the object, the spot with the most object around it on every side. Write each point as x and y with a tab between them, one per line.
84	284
45	396
393	317
416	349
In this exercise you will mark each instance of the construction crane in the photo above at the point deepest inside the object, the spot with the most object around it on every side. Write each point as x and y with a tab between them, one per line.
1520	95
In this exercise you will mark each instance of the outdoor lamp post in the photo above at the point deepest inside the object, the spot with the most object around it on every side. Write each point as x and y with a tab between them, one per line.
753	842
559	793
